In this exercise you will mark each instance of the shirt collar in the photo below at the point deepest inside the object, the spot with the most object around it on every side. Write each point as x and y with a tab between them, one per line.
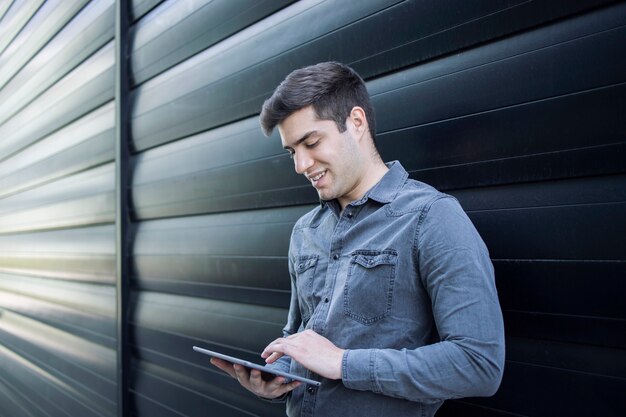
384	191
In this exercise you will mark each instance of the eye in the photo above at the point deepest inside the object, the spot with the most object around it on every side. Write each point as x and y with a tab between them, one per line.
291	153
312	144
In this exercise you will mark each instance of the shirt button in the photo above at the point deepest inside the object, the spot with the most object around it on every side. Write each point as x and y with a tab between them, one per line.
349	214
311	389
335	256
326	300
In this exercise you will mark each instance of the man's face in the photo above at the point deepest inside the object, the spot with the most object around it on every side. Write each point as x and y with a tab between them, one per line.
329	159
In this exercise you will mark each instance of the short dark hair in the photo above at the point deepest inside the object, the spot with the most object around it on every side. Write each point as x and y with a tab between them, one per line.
332	88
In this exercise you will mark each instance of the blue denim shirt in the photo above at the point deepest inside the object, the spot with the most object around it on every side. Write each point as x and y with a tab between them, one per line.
402	280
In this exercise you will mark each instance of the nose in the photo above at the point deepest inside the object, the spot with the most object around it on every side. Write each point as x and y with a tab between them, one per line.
302	161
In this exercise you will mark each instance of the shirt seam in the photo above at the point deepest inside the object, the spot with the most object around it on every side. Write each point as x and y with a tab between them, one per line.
425	211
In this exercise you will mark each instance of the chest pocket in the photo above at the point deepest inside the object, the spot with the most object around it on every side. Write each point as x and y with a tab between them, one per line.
305	267
368	294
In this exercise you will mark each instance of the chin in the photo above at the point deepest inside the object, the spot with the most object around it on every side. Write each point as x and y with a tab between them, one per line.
325	196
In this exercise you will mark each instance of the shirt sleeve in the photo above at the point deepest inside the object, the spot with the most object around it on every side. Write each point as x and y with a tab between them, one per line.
468	360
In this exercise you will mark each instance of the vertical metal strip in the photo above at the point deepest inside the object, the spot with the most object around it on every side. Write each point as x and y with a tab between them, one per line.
121	211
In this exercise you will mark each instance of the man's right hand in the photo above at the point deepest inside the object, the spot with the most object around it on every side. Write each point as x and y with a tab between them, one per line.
252	381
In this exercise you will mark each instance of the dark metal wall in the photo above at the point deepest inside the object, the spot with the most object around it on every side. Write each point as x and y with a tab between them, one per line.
515	107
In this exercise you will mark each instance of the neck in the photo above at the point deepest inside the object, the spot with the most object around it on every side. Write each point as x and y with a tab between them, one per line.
372	175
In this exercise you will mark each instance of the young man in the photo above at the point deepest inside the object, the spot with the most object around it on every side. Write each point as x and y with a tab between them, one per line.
393	305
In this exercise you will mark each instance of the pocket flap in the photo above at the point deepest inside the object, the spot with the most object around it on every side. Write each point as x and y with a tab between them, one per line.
370	259
305	262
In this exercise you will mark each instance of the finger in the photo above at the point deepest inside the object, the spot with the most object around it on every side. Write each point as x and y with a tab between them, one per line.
268	349
241	373
277	387
255	379
224	366
284	388
279	345
274	357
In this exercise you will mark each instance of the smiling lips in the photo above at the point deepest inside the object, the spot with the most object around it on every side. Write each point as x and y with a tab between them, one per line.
314	179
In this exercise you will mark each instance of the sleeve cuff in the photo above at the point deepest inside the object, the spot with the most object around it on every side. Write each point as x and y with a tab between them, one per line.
358	370
280	399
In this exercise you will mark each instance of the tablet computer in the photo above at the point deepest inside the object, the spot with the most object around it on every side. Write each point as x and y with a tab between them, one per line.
252	365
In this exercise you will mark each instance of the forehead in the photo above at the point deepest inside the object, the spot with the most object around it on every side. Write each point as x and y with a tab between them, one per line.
302	122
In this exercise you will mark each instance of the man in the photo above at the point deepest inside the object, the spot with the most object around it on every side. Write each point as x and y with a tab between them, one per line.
393	303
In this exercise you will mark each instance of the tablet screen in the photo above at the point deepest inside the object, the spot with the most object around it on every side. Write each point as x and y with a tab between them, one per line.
252	365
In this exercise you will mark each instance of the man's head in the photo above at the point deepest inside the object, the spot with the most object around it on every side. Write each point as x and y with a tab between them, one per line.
331	88
325	120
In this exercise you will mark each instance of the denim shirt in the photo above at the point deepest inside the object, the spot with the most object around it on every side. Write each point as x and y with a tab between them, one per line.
402	281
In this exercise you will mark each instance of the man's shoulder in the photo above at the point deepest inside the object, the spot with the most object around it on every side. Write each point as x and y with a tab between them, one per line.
313	217
415	196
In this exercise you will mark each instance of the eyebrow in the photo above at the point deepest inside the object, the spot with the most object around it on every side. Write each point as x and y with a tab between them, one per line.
302	139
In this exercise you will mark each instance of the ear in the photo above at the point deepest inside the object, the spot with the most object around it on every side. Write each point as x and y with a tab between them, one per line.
358	121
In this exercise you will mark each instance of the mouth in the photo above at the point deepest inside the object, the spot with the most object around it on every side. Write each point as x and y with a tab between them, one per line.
315	178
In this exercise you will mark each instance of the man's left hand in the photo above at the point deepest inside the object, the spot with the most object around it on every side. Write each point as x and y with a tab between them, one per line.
309	349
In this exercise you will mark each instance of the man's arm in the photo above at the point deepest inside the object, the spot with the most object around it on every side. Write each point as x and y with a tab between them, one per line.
457	273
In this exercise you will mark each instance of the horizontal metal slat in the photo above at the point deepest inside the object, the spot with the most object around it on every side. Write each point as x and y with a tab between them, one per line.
543	391
82	90
49	19
527	130
567	232
94	327
80	200
16	403
86	366
207	173
140	7
18	14
82	144
44	388
536	286
91	29
230	80
580	330
176	30
159	390
582	162
570	191
599	361
232	325
85	254
212	87
523	71
237	256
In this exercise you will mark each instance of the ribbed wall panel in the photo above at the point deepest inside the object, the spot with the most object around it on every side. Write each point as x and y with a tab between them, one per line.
225	256
157	45
88	86
82	36
57	209
85	198
206	173
80	145
139	8
514	107
52	16
4	6
15	18
210	88
491	116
